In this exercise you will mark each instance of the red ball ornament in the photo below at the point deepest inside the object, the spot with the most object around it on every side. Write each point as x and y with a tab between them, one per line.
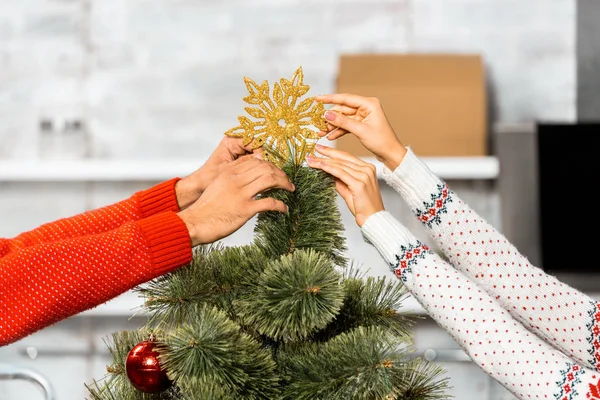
143	368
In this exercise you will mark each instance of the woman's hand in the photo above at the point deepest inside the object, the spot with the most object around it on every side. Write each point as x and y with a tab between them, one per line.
190	188
364	118
230	200
355	180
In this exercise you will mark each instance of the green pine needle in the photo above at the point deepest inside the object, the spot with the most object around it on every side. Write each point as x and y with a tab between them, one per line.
363	361
282	318
295	296
211	350
313	222
215	276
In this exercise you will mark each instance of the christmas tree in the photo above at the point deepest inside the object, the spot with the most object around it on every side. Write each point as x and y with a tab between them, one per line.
285	317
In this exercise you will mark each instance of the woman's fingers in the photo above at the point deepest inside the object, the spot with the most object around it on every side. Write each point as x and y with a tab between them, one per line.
334	170
355	162
345	194
332	132
343	189
336	134
348	175
343	99
344	110
339	154
363	173
345	122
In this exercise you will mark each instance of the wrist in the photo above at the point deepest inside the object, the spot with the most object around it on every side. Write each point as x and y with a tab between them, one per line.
192	227
394	157
187	192
363	217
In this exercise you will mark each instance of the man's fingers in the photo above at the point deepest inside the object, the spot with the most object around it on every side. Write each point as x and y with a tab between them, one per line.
244	164
269	204
265	179
234	146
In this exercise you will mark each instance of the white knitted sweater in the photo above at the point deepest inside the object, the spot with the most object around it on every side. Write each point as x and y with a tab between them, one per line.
535	335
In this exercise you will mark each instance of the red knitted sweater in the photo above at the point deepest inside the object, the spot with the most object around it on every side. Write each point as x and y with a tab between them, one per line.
74	264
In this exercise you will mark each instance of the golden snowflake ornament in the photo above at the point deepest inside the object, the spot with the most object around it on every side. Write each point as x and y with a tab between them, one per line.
282	122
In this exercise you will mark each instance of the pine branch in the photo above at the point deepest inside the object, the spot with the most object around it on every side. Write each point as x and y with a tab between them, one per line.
422	380
216	276
296	295
169	298
211	350
313	222
198	389
370	301
364	363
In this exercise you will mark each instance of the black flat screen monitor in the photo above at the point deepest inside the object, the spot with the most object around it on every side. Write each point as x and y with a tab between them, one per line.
569	178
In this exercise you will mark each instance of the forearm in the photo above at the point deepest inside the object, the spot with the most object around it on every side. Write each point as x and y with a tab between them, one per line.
159	198
46	283
561	314
500	345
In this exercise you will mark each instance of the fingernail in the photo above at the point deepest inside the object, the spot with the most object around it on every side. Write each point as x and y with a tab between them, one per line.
287	209
293	187
329	115
312	161
320	146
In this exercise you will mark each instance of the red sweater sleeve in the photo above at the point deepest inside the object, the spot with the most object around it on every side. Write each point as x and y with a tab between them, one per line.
46	282
142	204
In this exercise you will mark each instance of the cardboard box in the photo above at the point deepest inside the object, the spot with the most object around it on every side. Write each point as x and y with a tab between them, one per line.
436	103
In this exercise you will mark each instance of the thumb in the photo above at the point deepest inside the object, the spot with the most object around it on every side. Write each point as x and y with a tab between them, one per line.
344	122
345	193
269	204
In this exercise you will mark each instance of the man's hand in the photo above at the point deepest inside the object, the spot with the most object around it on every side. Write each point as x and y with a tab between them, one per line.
190	188
230	200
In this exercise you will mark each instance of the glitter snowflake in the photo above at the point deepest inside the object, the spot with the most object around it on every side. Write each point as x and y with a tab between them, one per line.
282	123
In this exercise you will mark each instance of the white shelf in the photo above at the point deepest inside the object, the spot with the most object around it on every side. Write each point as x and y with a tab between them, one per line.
159	170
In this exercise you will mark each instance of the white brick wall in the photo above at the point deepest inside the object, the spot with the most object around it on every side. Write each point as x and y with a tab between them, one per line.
149	77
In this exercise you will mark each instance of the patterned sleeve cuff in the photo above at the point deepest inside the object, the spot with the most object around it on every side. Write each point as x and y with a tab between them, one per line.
413	180
158	198
387	234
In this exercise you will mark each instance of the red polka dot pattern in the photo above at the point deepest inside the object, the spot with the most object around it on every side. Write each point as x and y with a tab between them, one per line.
558	313
504	348
529	331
